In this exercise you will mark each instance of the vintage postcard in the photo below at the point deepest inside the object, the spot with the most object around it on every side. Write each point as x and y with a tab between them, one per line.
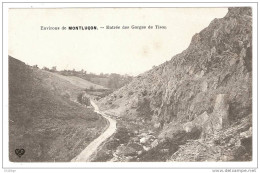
112	84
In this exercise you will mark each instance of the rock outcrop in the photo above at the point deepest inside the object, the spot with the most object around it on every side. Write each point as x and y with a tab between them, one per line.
231	144
202	90
218	61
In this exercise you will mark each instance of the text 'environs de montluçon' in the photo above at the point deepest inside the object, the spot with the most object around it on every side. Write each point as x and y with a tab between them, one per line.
107	27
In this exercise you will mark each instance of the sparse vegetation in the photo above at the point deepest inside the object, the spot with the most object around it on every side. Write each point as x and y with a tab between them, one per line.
130	93
79	98
193	97
43	120
112	81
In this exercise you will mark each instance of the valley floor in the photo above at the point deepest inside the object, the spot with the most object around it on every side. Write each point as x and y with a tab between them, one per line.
86	154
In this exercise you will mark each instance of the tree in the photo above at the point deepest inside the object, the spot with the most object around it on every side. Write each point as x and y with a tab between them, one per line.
54	68
79	98
101	74
45	68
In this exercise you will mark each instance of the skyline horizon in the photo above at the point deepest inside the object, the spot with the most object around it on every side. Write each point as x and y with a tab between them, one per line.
78	70
121	51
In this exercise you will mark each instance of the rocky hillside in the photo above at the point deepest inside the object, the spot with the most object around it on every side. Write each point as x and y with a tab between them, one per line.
203	90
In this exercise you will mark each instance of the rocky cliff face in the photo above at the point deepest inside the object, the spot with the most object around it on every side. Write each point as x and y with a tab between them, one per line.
207	86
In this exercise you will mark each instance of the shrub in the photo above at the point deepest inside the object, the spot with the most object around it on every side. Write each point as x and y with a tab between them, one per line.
130	93
91	88
112	145
122	135
79	98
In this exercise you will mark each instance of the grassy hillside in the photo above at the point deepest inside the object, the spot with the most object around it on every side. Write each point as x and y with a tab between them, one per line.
111	81
100	80
42	118
79	82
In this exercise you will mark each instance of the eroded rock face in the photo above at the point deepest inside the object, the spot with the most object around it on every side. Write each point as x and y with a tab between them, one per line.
231	144
201	119
204	89
221	112
218	61
219	118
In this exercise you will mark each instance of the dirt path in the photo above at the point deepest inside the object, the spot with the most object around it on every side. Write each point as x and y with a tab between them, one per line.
84	156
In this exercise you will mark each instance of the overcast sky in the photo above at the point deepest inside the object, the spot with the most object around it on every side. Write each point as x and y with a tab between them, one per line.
119	51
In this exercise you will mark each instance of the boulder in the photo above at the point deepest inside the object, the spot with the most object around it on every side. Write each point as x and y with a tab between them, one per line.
146	148
147	139
231	142
154	143
188	127
144	140
201	119
247	133
135	139
139	152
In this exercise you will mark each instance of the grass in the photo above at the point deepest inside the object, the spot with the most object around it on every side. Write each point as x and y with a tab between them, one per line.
42	118
79	82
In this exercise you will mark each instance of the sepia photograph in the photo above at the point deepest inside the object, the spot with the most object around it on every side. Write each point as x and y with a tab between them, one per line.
135	84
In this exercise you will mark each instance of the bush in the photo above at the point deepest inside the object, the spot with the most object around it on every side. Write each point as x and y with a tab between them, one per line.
122	135
112	145
79	98
130	93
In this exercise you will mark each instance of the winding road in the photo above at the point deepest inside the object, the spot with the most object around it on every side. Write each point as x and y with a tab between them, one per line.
85	155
